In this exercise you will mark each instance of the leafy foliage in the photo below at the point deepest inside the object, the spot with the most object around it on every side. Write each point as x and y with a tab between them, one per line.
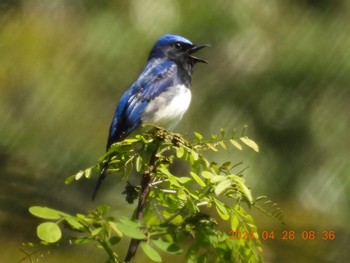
176	211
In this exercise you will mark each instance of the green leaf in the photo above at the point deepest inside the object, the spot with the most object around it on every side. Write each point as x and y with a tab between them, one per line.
83	240
222	144
250	143
74	223
79	175
197	179
221	209
207	175
150	252
236	144
211	146
130	228
70	179
180	151
96	231
198	136
45	212
138	163
131	232
194	155
182	195
222	187
184	179
218	178
166	246
88	173
245	191
114	227
164	171
234	222
49	232
172	178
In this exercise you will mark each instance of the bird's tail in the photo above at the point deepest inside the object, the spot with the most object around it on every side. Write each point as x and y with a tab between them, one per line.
101	178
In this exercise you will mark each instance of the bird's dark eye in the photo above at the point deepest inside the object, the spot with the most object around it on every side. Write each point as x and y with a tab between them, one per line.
178	45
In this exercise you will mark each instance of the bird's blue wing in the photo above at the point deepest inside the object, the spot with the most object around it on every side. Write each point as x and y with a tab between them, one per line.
155	79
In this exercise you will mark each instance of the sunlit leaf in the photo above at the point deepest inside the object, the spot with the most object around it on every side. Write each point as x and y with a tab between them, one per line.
138	163
223	145
45	212
207	175
49	232
246	192
250	143
70	179
194	155
234	222
114	227
198	136
222	187
79	175
221	209
83	240
172	178
236	144
197	179
218	178
184	179
166	246
130	231
180	151
150	252
211	146
88	173
73	222
130	228
96	231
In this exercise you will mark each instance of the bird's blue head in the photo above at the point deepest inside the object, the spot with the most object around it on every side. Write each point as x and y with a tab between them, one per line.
176	48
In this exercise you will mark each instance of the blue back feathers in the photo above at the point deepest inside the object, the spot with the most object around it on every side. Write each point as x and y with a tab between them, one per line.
159	74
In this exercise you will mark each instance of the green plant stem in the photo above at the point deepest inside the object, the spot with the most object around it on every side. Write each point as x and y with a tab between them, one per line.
143	196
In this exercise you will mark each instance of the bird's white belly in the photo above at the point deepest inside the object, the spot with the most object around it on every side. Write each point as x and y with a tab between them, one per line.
167	109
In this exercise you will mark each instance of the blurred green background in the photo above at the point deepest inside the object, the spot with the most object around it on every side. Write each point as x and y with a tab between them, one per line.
280	67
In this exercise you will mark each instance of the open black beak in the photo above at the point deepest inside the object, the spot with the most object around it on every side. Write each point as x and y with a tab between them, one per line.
194	49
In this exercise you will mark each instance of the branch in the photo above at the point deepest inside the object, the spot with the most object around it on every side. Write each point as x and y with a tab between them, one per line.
144	193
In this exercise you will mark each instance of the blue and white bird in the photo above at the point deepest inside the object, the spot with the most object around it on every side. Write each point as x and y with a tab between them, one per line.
161	94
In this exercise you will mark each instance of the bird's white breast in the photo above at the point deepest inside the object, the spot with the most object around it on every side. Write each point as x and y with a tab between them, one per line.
167	109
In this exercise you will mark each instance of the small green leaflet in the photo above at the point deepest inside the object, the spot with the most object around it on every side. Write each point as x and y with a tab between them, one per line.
236	144
49	232
150	252
180	151
197	179
221	209
250	143
222	187
198	135
45	212
169	247
130	228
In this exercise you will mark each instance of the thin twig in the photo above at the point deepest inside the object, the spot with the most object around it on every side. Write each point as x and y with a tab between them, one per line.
144	193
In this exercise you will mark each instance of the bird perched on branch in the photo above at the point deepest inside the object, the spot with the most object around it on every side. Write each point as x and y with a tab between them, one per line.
160	95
